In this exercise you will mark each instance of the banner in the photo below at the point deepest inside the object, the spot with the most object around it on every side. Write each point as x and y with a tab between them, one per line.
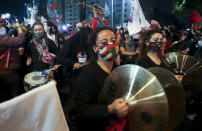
37	110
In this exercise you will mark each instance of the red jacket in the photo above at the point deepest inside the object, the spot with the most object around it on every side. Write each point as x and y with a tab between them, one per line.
9	56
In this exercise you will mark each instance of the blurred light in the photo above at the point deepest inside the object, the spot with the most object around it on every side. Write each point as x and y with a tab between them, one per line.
68	25
5	16
29	8
64	27
35	6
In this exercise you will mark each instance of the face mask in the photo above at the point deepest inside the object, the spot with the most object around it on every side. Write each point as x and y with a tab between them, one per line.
38	36
155	46
2	31
107	52
200	43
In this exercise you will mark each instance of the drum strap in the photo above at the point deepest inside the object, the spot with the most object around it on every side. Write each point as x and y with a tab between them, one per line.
7	59
46	56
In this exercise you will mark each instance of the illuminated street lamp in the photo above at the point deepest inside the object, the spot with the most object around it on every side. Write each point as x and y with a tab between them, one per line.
6	16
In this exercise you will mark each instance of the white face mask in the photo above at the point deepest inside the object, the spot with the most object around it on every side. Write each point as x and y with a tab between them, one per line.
200	43
2	31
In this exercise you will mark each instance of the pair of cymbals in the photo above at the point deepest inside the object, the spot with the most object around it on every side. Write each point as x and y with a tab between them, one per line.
180	62
156	104
191	69
143	92
192	82
175	94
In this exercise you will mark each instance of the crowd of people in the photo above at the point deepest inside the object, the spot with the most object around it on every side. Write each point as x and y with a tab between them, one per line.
81	61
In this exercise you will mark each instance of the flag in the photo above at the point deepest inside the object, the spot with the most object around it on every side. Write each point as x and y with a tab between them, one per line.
107	9
51	11
43	20
53	4
27	21
88	20
196	20
137	19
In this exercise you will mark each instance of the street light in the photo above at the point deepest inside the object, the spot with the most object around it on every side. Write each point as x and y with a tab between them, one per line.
29	9
6	16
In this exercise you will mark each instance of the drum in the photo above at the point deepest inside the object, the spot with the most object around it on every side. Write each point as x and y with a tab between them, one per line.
34	79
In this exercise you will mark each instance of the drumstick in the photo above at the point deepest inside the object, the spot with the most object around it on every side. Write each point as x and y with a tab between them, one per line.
192	67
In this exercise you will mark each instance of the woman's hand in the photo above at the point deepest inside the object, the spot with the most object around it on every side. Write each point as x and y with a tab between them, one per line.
29	61
179	77
55	67
119	107
77	66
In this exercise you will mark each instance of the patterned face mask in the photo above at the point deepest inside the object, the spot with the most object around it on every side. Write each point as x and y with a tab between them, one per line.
107	52
38	36
155	46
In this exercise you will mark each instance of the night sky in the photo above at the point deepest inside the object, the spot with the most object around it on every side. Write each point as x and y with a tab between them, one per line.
15	7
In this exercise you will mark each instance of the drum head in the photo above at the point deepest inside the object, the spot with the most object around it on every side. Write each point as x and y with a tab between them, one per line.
34	79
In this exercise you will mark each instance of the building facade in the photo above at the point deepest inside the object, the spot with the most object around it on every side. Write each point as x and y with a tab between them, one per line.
121	11
72	13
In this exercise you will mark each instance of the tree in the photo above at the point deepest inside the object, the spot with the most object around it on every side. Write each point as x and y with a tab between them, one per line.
186	7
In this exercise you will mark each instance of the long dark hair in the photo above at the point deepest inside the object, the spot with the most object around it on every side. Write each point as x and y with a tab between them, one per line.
145	38
39	23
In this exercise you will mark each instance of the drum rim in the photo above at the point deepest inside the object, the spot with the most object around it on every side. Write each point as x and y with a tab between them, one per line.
28	86
45	79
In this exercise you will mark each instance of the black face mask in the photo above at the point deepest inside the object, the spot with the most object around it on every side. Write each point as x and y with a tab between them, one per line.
38	36
155	46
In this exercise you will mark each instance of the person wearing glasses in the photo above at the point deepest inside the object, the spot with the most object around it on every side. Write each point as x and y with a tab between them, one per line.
87	113
41	51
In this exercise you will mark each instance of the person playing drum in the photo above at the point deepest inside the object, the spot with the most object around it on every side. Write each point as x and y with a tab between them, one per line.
41	51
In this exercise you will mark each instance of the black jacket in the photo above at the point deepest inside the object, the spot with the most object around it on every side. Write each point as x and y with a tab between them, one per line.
31	51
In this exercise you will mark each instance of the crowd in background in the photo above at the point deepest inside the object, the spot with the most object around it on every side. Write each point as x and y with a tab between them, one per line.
40	47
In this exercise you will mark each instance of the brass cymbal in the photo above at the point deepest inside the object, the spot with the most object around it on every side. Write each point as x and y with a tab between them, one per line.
175	94
182	63
192	82
143	92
